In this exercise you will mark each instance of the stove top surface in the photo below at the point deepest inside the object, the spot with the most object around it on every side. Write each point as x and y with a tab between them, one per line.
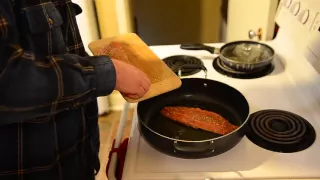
276	91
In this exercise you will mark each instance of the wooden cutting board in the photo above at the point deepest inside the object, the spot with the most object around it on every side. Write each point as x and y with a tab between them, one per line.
131	49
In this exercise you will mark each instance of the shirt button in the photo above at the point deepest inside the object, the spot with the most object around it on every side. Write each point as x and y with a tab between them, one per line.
50	21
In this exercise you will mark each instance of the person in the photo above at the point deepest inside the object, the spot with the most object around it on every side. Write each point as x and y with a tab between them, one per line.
48	92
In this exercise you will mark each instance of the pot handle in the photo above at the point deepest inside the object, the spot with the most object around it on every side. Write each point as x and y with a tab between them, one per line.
210	49
206	147
192	66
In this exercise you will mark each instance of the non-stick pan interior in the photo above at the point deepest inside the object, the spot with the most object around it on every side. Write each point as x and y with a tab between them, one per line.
205	94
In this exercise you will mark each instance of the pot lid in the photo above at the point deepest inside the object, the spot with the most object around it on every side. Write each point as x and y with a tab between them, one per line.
247	52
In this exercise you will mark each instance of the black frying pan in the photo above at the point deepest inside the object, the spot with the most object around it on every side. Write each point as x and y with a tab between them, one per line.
244	56
181	141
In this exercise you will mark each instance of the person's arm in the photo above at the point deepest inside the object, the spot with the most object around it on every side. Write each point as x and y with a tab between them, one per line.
38	88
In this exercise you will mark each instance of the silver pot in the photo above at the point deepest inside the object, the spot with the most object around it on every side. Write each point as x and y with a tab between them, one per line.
239	55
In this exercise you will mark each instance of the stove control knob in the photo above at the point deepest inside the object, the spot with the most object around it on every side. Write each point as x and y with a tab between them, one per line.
295	8
304	16
287	3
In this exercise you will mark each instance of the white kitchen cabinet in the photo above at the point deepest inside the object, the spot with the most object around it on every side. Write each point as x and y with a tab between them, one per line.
246	15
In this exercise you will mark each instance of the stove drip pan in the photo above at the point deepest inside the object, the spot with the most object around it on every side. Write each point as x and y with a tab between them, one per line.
225	70
174	62
280	131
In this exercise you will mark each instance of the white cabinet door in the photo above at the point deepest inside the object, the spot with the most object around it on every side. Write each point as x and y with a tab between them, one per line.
246	15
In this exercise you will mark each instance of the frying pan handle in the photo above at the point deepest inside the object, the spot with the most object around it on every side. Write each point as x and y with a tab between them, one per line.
210	49
194	147
192	66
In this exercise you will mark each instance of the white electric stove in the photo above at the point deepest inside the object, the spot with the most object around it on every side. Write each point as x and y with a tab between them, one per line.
293	85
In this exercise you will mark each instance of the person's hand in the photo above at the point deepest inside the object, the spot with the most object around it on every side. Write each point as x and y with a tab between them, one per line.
131	82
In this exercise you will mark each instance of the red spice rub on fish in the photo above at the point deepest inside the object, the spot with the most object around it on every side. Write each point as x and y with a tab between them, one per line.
199	119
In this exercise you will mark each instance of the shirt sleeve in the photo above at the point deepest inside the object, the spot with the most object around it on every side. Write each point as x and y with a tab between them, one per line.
38	88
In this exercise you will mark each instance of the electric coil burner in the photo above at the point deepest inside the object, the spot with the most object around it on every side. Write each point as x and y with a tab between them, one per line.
225	70
174	62
280	131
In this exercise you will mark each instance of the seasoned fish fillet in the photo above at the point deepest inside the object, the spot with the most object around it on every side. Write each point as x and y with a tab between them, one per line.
199	119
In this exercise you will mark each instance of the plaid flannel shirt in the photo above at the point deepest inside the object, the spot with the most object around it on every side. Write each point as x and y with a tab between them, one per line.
48	90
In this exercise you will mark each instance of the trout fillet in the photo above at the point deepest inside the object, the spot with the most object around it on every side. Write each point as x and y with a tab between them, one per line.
199	119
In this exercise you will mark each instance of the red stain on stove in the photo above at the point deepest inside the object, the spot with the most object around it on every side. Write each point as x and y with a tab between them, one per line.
199	119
